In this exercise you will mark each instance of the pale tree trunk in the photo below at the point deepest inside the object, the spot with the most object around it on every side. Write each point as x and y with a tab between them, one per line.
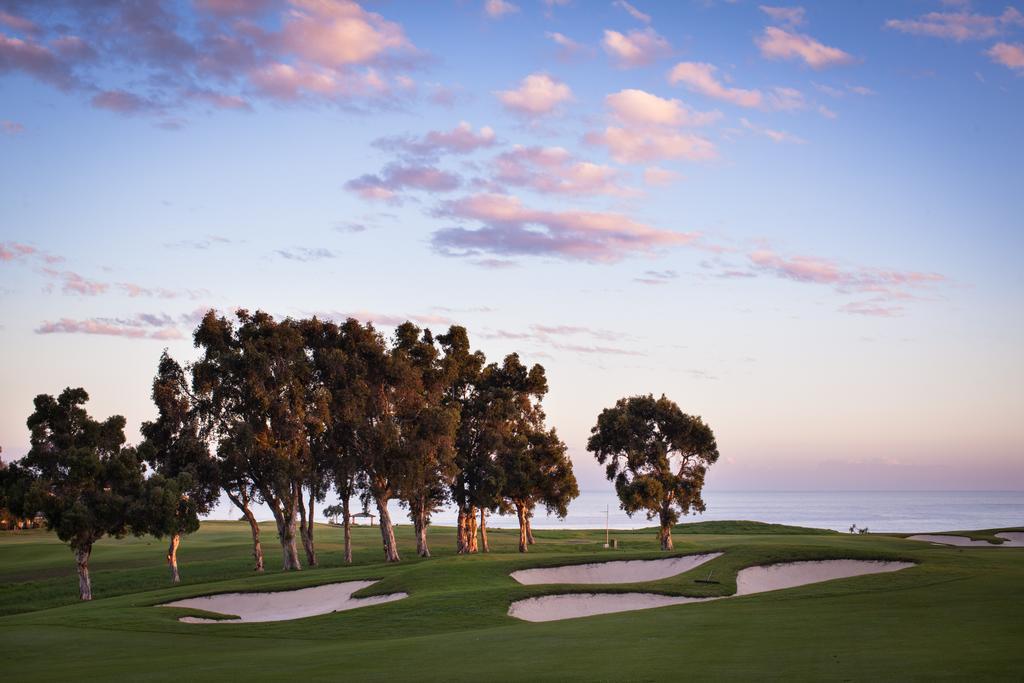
529	528
483	530
471	529
285	514
521	515
461	544
172	557
666	530
242	503
387	531
348	530
419	521
306	530
82	554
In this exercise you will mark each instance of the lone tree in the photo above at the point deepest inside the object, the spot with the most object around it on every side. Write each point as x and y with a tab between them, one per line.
657	455
79	476
185	483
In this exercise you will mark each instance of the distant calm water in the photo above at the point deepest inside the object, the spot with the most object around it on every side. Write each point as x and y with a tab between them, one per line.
910	511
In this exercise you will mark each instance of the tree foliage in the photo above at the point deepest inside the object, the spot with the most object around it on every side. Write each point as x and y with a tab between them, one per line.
657	456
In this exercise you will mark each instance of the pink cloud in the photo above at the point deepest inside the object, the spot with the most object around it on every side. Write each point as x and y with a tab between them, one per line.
35	59
510	228
496	9
778	43
460	140
11	127
397	177
885	284
794	16
638	145
700	77
636	48
638	107
337	34
320	50
958	26
16	23
772	134
567	47
123	102
633	11
139	327
553	170
659	177
73	283
1010	55
536	95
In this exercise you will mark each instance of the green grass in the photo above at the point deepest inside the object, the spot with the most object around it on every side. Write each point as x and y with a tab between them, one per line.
957	614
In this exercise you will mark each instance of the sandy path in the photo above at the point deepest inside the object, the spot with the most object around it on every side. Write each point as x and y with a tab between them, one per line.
618	571
1014	539
749	581
283	605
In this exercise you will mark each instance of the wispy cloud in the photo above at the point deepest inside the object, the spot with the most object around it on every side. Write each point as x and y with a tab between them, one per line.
396	177
1010	55
632	11
8	127
657	277
779	43
700	77
460	140
513	229
553	170
792	16
638	47
141	326
306	254
959	26
496	9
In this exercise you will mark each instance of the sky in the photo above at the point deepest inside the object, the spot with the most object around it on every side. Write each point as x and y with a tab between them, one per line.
802	223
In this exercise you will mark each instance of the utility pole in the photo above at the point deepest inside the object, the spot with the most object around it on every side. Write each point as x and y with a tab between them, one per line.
606	541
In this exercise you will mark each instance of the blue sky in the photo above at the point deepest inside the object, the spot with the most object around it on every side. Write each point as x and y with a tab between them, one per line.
802	223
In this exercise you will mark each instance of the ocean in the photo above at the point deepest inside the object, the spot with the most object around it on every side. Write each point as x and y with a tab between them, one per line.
906	511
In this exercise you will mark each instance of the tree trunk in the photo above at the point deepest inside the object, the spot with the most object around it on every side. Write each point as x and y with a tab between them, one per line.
348	529
285	514
666	530
461	545
242	503
483	530
82	554
471	529
172	557
306	529
419	520
529	528
387	531
521	515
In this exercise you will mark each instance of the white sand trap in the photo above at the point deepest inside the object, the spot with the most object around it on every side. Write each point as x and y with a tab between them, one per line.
965	542
748	582
773	577
1012	539
283	605
574	605
618	571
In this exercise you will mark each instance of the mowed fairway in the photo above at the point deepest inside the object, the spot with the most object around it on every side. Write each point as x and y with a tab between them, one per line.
957	614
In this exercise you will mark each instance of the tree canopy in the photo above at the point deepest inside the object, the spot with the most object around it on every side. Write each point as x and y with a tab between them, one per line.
657	456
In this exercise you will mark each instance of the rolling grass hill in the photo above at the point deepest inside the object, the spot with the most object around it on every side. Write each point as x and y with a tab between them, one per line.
956	614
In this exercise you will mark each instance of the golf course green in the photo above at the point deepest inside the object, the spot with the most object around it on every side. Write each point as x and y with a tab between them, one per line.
957	613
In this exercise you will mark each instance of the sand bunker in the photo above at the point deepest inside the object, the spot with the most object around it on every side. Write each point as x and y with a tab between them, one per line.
557	607
283	605
1012	539
748	582
775	577
618	571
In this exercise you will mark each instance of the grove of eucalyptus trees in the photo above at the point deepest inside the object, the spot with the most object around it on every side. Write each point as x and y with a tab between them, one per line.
280	413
